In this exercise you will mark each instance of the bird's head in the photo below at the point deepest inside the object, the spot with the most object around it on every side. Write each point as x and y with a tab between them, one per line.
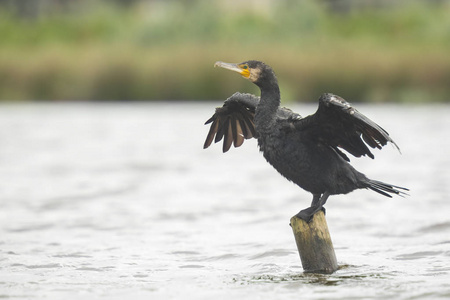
253	70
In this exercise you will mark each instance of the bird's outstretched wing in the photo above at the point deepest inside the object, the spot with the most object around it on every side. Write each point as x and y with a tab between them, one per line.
233	121
337	124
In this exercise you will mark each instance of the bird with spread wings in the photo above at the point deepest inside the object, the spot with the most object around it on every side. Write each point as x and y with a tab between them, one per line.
306	150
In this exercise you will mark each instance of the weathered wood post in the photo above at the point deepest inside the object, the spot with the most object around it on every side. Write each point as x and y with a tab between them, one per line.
314	244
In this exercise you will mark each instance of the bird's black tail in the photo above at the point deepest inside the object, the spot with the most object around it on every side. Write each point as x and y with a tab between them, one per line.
386	188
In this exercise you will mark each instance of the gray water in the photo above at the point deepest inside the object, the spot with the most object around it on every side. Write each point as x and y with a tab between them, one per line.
120	201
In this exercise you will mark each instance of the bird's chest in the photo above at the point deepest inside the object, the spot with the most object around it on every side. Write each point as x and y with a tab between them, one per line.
298	159
285	151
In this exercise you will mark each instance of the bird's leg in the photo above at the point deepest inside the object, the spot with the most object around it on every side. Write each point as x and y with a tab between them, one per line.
317	204
324	199
315	200
307	213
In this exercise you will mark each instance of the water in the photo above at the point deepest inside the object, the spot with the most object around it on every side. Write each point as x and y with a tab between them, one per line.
120	201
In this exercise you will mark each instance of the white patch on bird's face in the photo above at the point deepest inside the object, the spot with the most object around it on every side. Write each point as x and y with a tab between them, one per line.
254	74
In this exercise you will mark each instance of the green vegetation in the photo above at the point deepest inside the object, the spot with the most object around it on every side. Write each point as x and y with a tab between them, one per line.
166	50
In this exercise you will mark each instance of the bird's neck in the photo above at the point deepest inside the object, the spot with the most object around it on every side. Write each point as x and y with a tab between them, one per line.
267	108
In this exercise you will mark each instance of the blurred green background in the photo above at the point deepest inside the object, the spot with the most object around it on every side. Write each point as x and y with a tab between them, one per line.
362	50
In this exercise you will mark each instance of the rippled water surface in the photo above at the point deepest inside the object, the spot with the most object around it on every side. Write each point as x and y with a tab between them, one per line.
120	201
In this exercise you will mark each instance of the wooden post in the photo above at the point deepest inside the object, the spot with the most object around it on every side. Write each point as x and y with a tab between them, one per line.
314	244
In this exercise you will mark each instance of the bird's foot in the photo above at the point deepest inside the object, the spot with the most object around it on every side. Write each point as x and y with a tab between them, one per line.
308	213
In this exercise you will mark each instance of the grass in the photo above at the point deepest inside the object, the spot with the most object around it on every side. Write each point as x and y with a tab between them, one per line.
166	50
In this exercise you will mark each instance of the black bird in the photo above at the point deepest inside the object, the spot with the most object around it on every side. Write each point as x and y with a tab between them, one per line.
307	151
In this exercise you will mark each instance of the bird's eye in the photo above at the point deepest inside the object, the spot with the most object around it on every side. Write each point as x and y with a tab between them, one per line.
245	67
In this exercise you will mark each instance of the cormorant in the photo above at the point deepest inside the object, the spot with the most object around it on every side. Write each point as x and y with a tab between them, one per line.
305	150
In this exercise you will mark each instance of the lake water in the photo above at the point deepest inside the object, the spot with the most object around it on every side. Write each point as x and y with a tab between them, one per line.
120	201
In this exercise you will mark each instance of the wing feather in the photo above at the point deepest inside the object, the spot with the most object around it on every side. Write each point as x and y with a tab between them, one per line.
239	138
220	132
245	132
228	140
250	125
337	124
233	122
212	132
